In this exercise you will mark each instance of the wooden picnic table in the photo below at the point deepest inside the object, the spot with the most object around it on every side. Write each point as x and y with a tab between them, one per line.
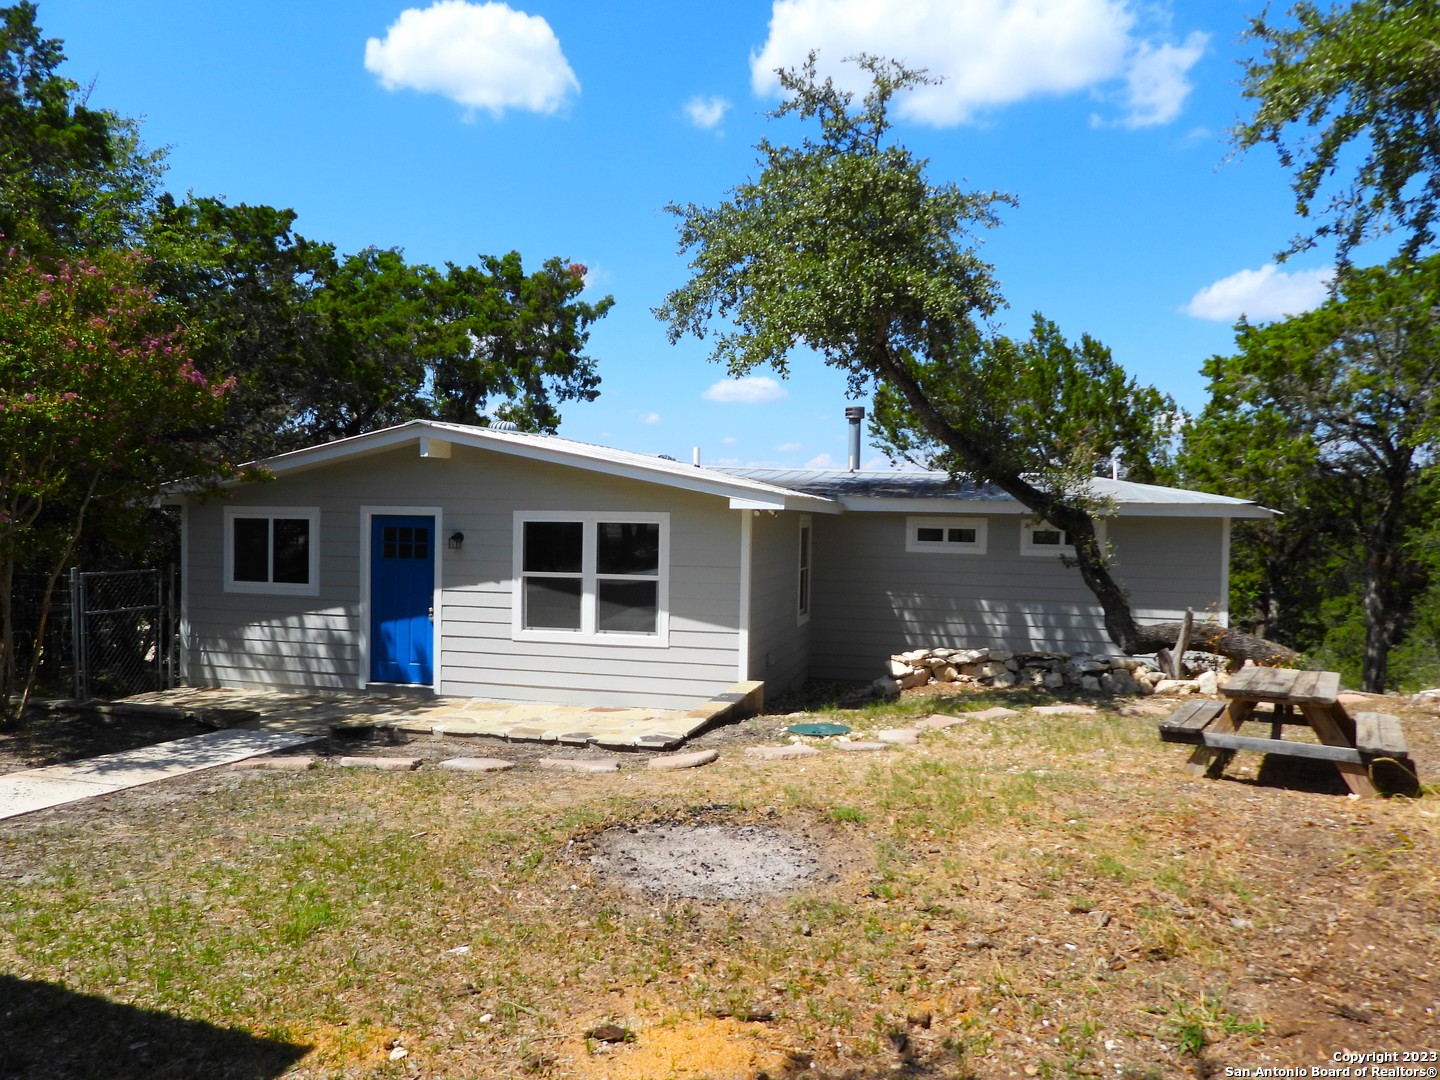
1274	695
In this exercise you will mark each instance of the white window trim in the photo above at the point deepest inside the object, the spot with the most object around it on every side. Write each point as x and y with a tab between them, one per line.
913	525
310	514
805	570
1027	527
588	576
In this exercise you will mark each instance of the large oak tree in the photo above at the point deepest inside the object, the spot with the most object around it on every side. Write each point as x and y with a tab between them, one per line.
842	245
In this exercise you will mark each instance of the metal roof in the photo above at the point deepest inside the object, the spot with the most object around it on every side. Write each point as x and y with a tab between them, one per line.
934	491
432	437
816	490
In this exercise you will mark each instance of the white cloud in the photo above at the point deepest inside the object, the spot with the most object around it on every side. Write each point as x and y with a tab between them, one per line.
751	390
728	440
484	56
820	461
990	52
789	447
650	418
1156	86
706	113
1261	295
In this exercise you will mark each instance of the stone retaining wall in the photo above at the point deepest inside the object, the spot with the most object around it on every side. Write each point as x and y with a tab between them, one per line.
1049	671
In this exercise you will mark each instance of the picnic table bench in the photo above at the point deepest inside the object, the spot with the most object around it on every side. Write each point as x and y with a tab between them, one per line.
1283	697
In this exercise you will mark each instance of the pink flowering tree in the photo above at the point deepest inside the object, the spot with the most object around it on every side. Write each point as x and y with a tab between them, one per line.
100	404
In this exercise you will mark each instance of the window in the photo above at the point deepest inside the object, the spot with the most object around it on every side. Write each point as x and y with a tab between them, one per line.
1042	538
592	576
946	535
272	550
802	608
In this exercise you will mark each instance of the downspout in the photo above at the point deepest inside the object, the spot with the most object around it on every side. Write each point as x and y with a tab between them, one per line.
747	534
1223	615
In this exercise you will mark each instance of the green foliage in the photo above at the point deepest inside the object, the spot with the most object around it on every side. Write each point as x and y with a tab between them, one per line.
1357	83
325	348
513	338
97	394
72	178
1332	417
1060	412
843	246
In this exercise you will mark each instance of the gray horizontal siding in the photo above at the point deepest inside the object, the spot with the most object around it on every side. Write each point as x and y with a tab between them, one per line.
310	643
779	645
873	598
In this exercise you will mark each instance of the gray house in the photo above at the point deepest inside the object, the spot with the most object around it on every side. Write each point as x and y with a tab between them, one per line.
486	563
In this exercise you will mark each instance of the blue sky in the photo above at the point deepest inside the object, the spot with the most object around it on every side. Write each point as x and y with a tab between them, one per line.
563	128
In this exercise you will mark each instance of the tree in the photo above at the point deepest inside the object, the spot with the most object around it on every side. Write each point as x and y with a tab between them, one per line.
99	400
1357	84
325	347
843	246
512	342
1341	408
72	178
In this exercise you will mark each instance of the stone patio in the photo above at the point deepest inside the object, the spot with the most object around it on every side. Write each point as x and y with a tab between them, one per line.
538	722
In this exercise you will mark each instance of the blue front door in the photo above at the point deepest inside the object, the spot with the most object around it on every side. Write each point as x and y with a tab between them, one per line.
402	588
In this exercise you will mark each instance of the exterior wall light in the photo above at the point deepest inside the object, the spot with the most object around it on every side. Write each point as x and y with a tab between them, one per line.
457	540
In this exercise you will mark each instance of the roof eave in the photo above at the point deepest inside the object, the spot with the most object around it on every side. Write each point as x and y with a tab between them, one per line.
1007	505
703	481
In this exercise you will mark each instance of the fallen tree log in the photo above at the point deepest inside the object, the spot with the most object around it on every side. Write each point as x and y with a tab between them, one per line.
1214	638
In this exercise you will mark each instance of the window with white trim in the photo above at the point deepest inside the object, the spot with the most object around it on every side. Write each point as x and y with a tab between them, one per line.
596	576
946	535
272	550
1042	538
802	583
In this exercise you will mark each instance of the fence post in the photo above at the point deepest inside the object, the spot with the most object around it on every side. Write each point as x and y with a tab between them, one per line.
172	616
77	631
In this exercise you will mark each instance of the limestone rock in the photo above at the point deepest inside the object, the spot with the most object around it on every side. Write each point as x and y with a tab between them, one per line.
673	762
779	753
580	765
476	764
899	736
1175	686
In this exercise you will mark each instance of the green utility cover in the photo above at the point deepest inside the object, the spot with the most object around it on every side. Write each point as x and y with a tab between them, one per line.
818	729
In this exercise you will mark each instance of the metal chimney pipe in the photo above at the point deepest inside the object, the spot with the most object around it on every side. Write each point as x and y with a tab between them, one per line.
854	413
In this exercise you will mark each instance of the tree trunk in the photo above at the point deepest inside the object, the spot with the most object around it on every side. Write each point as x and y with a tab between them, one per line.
1079	527
1214	638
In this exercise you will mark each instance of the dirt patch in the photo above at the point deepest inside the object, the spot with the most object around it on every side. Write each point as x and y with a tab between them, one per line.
53	736
706	862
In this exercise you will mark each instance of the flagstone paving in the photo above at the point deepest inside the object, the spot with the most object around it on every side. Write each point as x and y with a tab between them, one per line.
566	725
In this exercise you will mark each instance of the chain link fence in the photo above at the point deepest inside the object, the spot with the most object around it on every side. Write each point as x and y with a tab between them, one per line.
123	632
56	676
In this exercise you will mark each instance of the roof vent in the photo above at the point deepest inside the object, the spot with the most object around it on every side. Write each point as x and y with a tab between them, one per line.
854	414
503	425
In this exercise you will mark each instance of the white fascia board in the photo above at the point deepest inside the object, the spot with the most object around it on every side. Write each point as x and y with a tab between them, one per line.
1206	509
430	434
806	503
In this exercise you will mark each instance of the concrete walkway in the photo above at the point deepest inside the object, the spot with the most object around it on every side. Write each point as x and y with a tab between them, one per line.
570	725
53	785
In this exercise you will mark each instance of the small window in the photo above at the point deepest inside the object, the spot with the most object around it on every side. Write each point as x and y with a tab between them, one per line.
595	576
274	550
1042	538
802	607
951	536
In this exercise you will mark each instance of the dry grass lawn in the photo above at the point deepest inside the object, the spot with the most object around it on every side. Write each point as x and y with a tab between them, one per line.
1024	896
